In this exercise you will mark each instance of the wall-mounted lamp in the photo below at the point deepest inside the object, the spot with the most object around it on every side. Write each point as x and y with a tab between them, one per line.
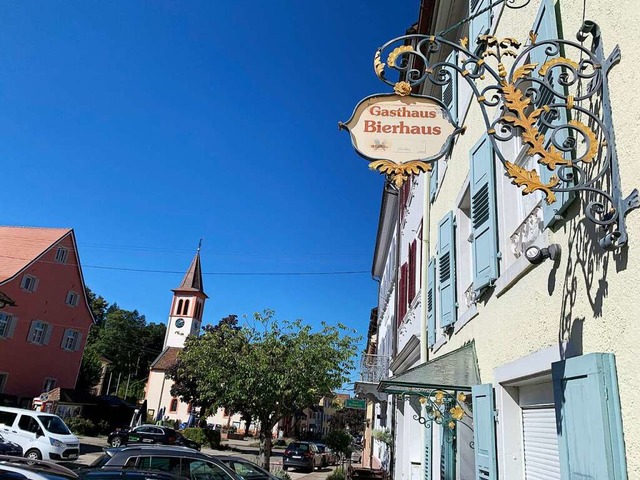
537	255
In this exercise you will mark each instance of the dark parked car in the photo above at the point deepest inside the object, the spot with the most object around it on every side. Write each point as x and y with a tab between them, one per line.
18	468
10	448
150	434
246	469
127	475
302	455
180	461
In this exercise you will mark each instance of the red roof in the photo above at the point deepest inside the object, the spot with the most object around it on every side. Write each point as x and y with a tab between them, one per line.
166	359
19	246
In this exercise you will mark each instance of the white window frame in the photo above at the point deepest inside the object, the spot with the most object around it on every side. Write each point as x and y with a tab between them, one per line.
62	254
47	380
29	283
70	342
73	298
5	324
4	376
39	332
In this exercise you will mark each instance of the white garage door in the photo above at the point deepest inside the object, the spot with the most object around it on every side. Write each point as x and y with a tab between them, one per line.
541	458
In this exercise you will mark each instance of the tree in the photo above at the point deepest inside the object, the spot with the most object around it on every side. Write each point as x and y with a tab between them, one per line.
340	441
348	418
267	371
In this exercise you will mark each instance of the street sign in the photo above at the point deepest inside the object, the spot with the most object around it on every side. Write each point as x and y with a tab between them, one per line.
355	403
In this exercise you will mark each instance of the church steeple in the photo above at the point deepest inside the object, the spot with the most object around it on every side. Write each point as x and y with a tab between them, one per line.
187	306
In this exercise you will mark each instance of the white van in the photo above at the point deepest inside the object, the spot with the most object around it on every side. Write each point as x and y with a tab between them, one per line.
41	435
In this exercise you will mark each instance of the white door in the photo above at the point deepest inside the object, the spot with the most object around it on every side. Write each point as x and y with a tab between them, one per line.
26	433
540	442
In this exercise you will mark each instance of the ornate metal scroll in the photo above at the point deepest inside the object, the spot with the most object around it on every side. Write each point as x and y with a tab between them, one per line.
559	108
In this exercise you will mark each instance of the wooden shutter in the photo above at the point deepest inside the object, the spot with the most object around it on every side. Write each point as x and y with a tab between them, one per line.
431	301
479	25
484	432
48	329
31	330
546	26
588	418
450	90
412	273
79	342
433	181
402	293
13	321
484	225
428	451
64	337
447	454
446	271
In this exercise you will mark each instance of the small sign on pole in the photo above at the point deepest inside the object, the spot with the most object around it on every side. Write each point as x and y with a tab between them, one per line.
356	404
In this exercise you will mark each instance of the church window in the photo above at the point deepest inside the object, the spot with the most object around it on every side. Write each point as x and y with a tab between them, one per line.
185	310
179	309
174	405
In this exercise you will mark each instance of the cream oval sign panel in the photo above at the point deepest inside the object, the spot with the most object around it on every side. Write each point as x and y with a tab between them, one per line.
400	132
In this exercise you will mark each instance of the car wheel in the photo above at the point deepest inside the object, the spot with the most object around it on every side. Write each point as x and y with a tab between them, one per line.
116	441
285	468
33	455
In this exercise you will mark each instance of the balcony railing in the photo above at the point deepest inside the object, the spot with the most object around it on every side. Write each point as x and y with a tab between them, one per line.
374	368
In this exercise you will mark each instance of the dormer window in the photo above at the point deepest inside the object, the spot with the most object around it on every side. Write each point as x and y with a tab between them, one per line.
29	283
72	299
61	255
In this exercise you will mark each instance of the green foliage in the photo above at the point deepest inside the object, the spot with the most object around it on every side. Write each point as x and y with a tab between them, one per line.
383	436
337	474
281	474
204	436
339	441
348	417
90	370
268	370
81	426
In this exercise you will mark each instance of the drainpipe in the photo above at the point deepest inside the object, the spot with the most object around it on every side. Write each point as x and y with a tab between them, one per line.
424	258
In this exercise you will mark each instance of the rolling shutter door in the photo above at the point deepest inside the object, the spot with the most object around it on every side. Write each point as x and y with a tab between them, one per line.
541	457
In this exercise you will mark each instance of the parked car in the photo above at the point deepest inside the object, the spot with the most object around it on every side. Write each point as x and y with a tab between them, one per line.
150	434
356	454
10	448
328	456
171	459
40	435
302	455
246	469
17	468
122	474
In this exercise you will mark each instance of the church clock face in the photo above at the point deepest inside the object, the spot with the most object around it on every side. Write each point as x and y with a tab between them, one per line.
180	323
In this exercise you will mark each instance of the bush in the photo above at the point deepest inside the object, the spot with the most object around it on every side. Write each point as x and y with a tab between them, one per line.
383	435
204	436
81	426
281	474
337	474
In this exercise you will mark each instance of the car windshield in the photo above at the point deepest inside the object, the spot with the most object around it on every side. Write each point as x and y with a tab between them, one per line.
53	424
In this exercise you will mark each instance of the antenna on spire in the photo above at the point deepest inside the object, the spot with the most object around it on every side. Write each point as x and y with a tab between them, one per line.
199	245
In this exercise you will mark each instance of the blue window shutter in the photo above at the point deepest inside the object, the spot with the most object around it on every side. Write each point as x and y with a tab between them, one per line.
433	181
13	321
428	452
479	25
484	432
448	454
446	271
589	423
431	302
546	26
484	225
450	90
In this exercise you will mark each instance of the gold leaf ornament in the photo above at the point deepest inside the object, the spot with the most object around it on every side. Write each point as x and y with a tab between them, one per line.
531	181
590	135
396	52
399	172
461	397
457	412
452	425
402	88
556	61
523	70
378	65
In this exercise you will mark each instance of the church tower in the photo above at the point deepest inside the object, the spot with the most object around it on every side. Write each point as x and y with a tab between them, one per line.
187	306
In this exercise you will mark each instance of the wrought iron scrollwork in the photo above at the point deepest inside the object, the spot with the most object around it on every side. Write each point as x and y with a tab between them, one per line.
559	108
444	408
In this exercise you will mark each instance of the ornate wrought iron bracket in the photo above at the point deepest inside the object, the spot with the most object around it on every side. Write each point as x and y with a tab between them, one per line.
558	107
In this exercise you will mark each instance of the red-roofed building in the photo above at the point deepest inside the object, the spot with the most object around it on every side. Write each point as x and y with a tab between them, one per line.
42	336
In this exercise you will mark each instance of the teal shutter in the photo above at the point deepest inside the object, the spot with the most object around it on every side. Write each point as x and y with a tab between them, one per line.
431	301
428	450
484	432
590	438
546	26
450	90
448	454
484	225
433	181
479	25
446	271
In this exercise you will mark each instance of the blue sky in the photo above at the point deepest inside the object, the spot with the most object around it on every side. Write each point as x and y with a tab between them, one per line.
148	125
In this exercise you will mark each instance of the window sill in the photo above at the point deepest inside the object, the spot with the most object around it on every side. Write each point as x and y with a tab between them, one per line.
519	269
439	343
465	318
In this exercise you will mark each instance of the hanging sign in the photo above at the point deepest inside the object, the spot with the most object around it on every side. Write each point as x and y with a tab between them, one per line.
400	134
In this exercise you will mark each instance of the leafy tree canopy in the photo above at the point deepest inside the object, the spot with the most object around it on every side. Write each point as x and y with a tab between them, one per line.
268	370
348	417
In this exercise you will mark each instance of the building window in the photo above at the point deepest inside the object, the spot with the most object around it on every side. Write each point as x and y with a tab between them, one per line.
185	310
179	309
49	384
71	340
3	381
39	333
72	299
173	407
6	325
61	255
29	283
